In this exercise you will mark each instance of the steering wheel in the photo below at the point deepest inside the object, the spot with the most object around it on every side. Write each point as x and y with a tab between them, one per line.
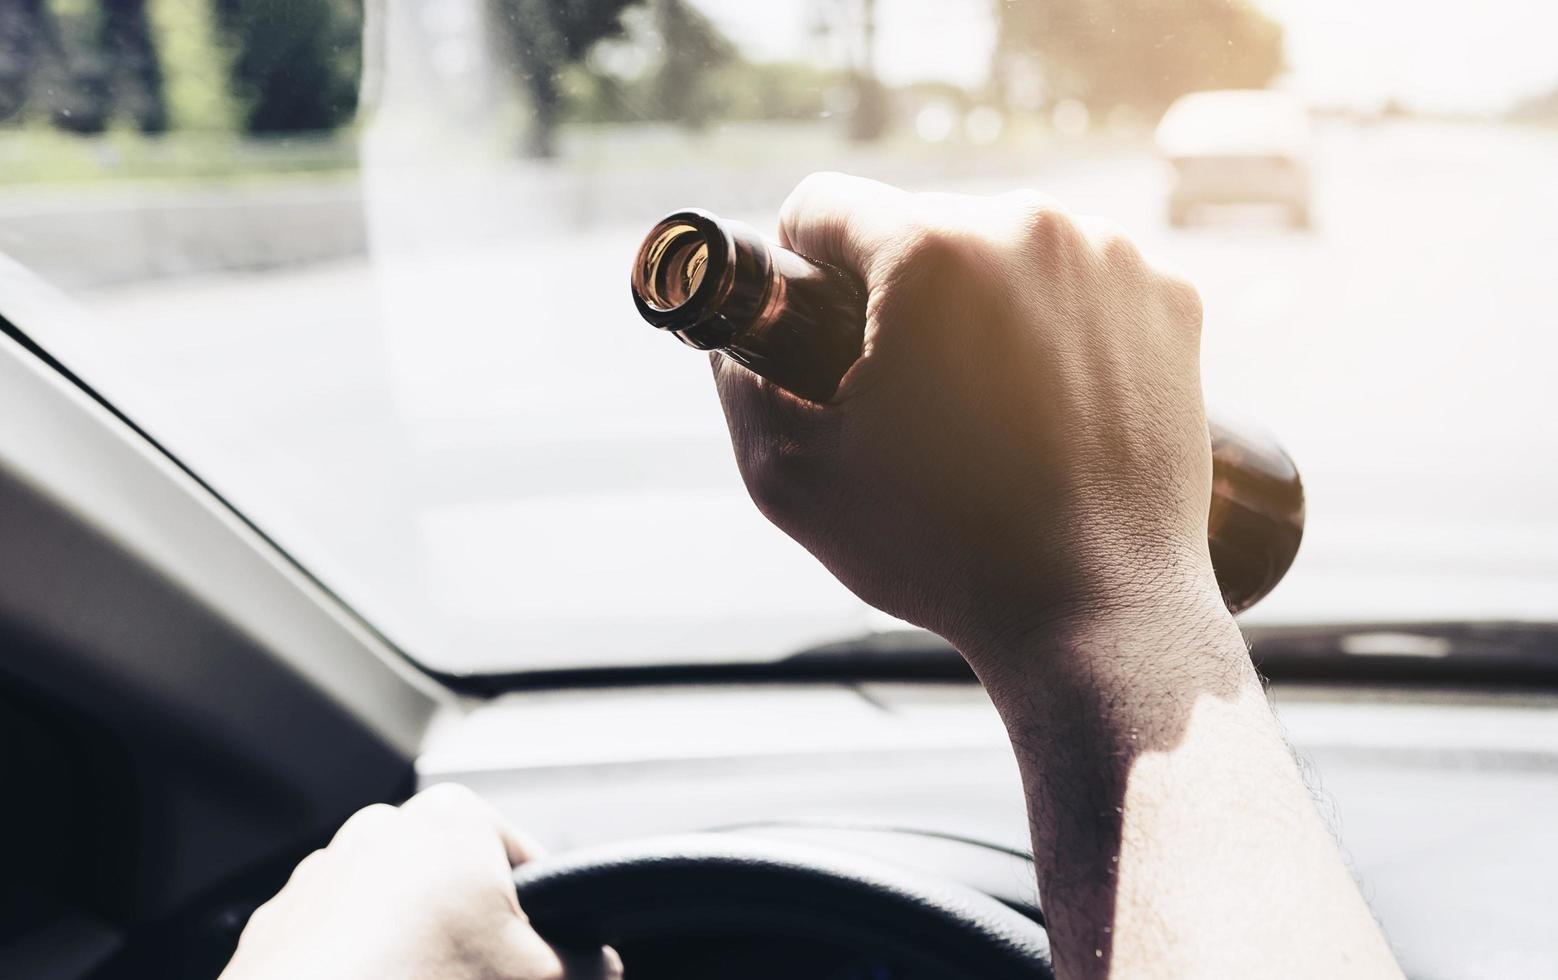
696	885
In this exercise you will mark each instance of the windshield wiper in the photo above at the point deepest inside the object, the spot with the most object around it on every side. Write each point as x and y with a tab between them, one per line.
1457	654
1448	652
1499	653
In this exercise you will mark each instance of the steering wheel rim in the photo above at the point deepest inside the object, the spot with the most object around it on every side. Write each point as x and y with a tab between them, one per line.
700	883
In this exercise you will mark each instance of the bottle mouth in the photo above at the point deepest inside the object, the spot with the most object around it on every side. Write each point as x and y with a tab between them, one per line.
680	272
671	266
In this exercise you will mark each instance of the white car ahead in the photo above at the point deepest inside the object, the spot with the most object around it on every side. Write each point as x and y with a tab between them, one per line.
1237	147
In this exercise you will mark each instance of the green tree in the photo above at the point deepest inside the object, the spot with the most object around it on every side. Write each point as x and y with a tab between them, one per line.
692	49
669	64
551	42
295	63
545	36
133	68
774	90
83	63
1142	53
23	49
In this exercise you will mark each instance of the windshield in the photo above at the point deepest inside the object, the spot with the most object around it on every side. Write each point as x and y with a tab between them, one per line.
363	267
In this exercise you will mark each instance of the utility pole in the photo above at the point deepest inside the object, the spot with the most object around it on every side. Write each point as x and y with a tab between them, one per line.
869	119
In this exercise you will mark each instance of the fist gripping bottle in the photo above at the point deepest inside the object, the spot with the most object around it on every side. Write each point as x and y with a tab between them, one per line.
719	285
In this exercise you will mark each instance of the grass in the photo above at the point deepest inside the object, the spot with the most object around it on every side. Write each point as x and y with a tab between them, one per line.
37	155
32	155
775	145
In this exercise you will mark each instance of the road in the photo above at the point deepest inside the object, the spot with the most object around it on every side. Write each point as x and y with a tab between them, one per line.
477	443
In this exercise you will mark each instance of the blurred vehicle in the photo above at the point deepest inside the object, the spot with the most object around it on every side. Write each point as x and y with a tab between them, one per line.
1237	147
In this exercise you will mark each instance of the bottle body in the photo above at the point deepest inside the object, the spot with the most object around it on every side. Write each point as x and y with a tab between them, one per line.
719	285
1256	520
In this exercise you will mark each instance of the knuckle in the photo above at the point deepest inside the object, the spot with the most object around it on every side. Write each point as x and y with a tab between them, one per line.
366	820
450	805
930	250
308	864
817	218
445	795
1182	298
1118	251
258	921
1040	223
372	813
812	187
1026	204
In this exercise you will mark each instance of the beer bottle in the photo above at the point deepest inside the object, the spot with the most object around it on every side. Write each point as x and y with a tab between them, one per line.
719	285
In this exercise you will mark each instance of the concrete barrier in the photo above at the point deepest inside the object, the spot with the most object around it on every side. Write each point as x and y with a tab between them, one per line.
81	238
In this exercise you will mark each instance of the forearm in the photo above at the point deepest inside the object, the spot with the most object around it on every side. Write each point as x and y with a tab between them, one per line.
1026	421
1172	832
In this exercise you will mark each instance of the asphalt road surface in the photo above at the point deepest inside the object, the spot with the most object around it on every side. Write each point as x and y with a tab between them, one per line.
477	443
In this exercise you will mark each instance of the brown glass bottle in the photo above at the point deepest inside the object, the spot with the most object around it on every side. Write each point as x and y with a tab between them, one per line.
719	285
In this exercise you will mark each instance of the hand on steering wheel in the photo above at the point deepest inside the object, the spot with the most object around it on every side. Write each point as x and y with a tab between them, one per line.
419	890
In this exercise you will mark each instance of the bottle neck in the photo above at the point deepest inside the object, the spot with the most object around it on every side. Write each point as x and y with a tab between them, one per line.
705	279
718	285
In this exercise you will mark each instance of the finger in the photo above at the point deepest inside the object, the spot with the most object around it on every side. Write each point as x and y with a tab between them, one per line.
776	438
452	802
1027	199
364	822
1110	240
457	811
603	964
1119	251
845	221
753	404
304	867
765	420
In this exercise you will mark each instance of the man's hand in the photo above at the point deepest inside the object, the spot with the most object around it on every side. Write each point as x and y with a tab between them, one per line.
1020	462
1023	438
416	892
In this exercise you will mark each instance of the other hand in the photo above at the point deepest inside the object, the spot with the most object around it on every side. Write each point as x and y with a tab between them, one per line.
414	892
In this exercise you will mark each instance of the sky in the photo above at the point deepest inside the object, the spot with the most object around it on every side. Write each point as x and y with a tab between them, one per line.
1445	55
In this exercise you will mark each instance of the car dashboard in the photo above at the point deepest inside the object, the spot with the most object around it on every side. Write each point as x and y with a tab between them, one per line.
1443	800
